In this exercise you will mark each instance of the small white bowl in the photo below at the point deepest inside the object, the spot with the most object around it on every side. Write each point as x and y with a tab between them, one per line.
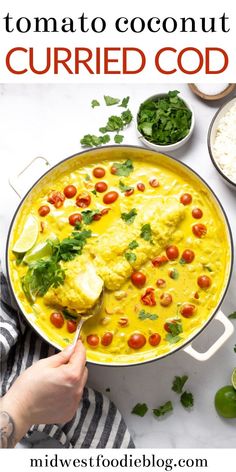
166	147
211	139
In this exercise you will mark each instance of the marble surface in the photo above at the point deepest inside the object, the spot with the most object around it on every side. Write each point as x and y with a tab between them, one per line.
49	120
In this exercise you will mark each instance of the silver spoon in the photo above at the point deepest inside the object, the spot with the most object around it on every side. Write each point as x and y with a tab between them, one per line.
94	311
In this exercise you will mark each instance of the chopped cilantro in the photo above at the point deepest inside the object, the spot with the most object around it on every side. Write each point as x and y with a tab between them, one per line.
123	169
130	257
140	409
146	232
144	315
90	140
118	138
130	216
124	102
178	383
41	275
163	409
126	117
175	329
207	267
87	177
124	188
182	261
187	399
117	123
94	191
110	100
95	103
87	216
232	316
133	245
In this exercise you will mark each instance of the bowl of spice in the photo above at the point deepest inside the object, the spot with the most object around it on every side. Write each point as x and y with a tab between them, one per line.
210	92
222	142
165	121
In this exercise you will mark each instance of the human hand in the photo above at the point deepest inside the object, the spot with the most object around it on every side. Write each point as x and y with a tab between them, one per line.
49	391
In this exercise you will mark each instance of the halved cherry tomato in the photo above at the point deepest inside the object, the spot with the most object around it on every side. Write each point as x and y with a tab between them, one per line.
56	198
70	191
204	281
83	200
154	339
44	210
138	279
199	230
75	218
154	183
148	298
186	199
136	341
105	211
187	310
57	319
113	169
159	260
188	256
99	172
106	339
167	327
93	340
97	216
129	192
101	187
165	299
172	252
141	187
71	326
110	197
161	283
197	213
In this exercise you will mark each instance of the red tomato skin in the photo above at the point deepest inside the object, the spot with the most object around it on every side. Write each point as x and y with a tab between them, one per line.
199	230
187	310
186	199
165	299
105	211
141	187
197	213
93	340
101	187
57	320
70	191
172	253
137	341
56	198
75	218
159	260
161	283
71	326
204	281
138	279
166	325
113	170
188	256
110	197
83	200
154	339
99	172
43	210
107	339
97	217
148	298
154	183
129	192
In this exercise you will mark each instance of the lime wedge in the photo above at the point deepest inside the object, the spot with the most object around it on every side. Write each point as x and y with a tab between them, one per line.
28	236
233	378
39	251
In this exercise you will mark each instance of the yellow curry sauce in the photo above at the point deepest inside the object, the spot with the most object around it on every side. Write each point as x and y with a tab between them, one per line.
169	203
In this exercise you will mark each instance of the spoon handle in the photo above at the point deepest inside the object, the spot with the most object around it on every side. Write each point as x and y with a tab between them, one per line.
78	329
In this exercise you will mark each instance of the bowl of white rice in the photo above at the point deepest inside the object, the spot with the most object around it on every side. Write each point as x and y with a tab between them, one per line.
222	142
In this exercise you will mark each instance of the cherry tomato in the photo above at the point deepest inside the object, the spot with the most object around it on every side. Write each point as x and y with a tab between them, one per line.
99	172
44	210
106	339
197	213
113	169
165	299
154	339
204	281
105	211
188	256
70	191
71	326
75	218
56	198
93	340
101	187
97	217
83	200
186	199
187	310
172	253
129	192
138	279
154	183
166	325
199	230
136	341
141	187
161	283
110	197
148	298
159	260
57	319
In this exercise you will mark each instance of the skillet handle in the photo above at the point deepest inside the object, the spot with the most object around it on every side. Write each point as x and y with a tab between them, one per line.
228	331
14	179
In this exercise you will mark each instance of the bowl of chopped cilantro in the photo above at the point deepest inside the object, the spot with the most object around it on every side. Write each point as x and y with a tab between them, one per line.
165	121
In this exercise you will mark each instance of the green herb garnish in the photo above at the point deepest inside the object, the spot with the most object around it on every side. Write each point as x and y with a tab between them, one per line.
207	267
178	383
123	169
165	120
144	315
232	316
146	232
94	192
95	103
118	138
175	330
72	246
19	257
109	101
133	245
117	123
130	257
124	102
182	261
174	273
90	140
130	216
87	177
163	409
42	275
187	399
87	216
140	409
235	348
124	188
69	316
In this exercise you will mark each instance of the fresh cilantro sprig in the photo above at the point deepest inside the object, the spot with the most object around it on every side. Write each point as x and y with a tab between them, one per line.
123	187
109	101
140	409
95	103
163	409
90	140
87	216
232	316
175	329
123	169
42	275
129	216
178	383
130	257
144	315
146	232
187	399
133	245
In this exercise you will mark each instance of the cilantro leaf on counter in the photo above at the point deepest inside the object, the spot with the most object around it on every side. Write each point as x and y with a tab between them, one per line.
163	409
130	216
117	123
87	216
90	140
126	117
178	383
146	232
109	101
124	102
144	315
118	138
140	409
130	257
95	103
133	245
124	188
123	169
235	348
232	316
187	399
